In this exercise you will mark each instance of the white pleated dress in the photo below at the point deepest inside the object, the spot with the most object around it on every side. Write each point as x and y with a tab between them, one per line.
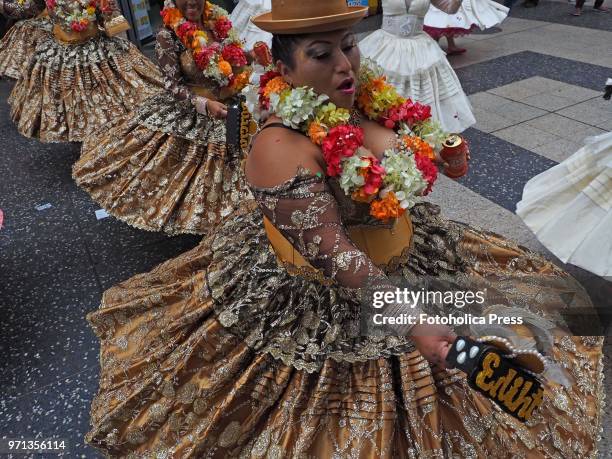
569	207
483	14
415	64
241	20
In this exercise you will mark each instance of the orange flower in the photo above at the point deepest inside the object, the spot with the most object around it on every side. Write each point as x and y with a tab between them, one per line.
386	208
419	146
241	80
225	68
199	39
361	196
317	133
275	85
171	16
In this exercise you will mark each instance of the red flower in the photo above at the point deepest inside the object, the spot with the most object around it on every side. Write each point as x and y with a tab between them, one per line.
185	30
222	27
264	102
79	26
409	112
204	55
106	7
341	142
234	54
428	169
51	4
420	112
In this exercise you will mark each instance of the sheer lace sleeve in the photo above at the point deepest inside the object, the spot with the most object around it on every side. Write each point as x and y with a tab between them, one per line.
448	6
167	50
306	212
29	9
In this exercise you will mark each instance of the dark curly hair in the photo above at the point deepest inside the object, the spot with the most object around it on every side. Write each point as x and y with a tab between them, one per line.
283	48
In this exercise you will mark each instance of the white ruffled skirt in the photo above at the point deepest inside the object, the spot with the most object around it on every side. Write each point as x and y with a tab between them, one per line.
241	20
569	207
481	13
418	68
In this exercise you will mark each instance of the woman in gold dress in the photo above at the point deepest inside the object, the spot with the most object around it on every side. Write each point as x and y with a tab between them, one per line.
165	166
249	345
17	46
80	76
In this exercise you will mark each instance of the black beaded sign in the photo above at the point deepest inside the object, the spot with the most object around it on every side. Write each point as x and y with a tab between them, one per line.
494	375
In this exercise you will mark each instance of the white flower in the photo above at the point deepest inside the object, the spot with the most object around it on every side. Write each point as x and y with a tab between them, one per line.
402	177
431	132
250	92
350	179
296	106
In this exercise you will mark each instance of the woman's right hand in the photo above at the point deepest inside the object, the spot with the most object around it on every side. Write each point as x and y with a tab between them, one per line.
216	109
205	106
433	342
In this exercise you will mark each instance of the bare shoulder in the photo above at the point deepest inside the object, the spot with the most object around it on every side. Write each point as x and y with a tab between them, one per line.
276	155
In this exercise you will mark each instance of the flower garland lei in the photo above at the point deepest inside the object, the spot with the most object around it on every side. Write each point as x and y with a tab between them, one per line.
390	185
78	14
224	60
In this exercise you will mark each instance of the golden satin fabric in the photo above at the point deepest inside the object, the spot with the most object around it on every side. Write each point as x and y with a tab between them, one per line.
75	38
18	45
381	245
207	356
164	166
157	180
69	91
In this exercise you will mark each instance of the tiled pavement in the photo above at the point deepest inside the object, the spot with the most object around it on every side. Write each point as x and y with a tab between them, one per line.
535	86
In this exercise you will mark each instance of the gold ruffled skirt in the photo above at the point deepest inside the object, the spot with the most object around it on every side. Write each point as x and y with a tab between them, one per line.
69	91
163	167
222	353
18	45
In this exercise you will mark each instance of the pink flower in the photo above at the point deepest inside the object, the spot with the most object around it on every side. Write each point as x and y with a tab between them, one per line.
409	112
79	26
341	142
203	56
185	30
234	54
428	169
222	27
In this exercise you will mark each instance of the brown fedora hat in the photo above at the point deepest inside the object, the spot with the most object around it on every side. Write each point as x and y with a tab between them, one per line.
309	16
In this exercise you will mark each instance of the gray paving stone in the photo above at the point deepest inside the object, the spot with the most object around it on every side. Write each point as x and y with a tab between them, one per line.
517	111
525	136
558	150
564	127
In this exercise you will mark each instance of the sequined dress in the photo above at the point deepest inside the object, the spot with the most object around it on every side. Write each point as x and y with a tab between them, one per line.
164	166
75	83
225	351
415	64
18	45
